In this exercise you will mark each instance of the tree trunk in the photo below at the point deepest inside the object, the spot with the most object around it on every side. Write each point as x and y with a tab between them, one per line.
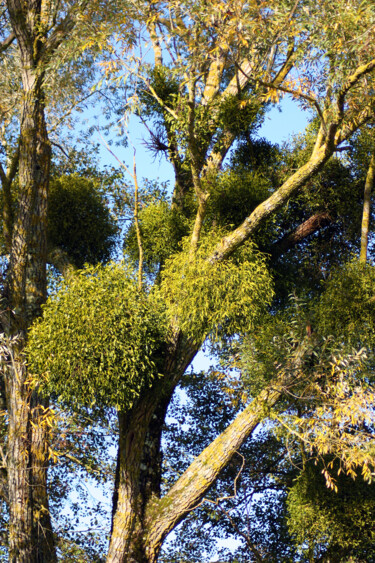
369	186
142	520
30	532
138	475
18	462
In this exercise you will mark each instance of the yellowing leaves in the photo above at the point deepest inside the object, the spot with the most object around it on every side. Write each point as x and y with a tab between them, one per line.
273	95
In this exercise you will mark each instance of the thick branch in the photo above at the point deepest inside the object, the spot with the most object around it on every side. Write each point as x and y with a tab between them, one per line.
6	179
7	42
165	514
20	27
213	80
231	242
155	43
306	229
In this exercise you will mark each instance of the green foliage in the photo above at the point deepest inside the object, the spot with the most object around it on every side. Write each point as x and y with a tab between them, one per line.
235	195
337	524
165	86
313	347
100	340
217	299
162	230
238	115
79	221
276	344
347	305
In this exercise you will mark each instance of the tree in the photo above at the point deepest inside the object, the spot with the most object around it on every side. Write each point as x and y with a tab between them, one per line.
37	39
220	63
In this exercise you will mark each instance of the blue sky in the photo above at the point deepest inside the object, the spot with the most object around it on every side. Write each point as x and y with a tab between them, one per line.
280	124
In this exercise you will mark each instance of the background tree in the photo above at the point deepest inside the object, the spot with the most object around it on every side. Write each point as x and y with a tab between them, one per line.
221	64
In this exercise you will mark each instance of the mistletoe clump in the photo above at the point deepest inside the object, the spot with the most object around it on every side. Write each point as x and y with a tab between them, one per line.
100	339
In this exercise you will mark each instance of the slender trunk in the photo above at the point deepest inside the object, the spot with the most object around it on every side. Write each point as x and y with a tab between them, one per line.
30	531
369	186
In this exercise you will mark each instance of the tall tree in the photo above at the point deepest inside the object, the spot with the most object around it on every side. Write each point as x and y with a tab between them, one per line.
211	79
37	38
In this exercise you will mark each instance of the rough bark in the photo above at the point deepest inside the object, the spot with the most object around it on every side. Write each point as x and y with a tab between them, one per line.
30	532
139	460
142	519
18	467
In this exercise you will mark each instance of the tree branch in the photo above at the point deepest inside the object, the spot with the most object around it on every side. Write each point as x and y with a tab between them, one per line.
61	31
352	80
60	260
7	42
306	229
187	492
232	241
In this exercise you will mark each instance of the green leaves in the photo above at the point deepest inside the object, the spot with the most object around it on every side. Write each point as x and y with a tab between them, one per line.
347	305
162	229
79	222
219	299
100	340
342	521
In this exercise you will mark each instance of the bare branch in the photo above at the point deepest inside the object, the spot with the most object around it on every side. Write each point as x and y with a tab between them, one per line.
7	42
369	186
352	80
60	147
